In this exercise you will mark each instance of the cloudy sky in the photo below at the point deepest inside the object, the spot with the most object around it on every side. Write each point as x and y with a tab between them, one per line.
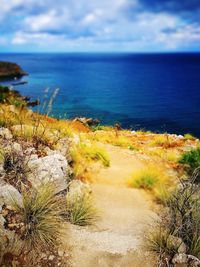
99	25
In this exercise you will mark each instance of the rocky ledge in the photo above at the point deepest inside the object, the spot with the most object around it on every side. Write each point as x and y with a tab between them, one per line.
10	70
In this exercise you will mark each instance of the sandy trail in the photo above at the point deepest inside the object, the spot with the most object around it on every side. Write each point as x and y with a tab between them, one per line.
117	239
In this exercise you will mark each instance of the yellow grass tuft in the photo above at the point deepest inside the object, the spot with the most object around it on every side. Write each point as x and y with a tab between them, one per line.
84	154
148	178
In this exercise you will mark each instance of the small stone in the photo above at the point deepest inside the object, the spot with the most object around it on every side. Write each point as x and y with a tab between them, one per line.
43	255
61	253
51	257
17	147
180	260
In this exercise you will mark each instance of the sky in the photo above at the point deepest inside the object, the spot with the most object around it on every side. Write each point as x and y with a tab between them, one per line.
99	25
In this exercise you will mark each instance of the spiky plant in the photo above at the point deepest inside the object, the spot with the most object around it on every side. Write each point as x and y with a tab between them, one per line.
40	215
80	210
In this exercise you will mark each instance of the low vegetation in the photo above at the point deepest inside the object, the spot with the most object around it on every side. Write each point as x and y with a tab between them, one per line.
146	178
37	223
40	218
179	230
84	154
15	167
191	160
11	97
80	210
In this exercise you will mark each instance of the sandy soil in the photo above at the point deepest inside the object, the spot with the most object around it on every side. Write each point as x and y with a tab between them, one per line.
118	237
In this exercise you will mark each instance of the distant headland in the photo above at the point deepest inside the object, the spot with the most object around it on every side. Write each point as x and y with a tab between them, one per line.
10	70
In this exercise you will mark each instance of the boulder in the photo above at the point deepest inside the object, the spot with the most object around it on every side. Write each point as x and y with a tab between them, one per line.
8	194
5	133
53	168
88	121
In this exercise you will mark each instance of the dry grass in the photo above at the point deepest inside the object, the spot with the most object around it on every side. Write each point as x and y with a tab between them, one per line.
179	225
40	217
146	178
85	154
162	194
165	141
80	210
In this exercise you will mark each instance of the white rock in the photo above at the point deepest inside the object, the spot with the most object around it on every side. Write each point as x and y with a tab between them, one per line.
53	168
8	194
51	257
61	253
17	147
78	188
49	151
180	136
5	133
180	259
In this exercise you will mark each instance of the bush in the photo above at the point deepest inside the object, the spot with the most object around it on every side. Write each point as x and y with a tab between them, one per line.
191	160
179	225
40	217
80	210
161	242
146	178
189	136
15	167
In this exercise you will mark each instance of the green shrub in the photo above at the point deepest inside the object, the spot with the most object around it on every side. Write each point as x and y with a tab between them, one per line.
191	160
189	136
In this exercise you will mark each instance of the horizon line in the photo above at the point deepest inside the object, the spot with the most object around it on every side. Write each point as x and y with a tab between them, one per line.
100	52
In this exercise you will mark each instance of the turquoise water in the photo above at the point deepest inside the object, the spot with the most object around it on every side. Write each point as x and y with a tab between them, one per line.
159	92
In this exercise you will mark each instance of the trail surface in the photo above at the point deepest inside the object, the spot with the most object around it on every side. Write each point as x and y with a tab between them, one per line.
118	238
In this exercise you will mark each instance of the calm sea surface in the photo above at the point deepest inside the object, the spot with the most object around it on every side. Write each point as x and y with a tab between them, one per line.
158	92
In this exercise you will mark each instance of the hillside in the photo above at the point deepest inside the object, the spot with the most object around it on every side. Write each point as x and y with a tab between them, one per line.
78	195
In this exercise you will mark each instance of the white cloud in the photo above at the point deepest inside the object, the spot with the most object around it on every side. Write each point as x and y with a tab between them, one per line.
49	20
92	25
183	37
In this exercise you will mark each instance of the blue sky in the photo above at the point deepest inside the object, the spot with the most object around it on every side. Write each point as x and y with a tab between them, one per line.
99	25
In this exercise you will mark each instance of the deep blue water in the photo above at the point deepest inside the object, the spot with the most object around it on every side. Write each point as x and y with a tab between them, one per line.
158	92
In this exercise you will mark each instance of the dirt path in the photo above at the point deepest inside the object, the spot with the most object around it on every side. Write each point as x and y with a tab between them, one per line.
117	239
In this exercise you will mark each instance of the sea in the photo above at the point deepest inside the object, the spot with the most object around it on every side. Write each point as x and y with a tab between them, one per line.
156	92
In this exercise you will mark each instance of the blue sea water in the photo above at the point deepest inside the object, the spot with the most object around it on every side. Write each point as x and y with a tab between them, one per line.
159	92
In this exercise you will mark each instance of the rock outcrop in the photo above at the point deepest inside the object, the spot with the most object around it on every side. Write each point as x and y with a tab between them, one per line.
53	168
87	121
10	70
